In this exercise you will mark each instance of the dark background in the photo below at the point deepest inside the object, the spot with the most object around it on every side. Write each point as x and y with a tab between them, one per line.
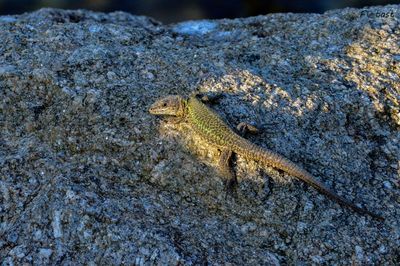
173	10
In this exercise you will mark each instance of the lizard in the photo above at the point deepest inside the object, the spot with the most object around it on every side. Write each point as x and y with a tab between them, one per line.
210	126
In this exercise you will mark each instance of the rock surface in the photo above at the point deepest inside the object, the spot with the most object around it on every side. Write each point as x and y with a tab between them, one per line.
88	176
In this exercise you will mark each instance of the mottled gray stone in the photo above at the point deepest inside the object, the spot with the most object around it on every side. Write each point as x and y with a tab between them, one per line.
88	176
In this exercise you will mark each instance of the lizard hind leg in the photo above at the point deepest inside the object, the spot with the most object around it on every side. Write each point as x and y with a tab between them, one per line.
226	170
243	128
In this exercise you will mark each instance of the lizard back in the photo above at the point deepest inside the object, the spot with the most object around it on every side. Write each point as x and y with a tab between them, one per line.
209	125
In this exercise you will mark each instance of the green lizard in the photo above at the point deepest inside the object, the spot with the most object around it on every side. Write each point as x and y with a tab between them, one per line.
212	128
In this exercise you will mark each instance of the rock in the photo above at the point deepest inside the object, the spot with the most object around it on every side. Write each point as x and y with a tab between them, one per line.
45	252
88	176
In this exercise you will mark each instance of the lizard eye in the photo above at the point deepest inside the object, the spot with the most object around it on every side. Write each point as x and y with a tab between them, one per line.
164	105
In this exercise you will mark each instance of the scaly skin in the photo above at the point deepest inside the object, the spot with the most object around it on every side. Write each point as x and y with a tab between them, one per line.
212	128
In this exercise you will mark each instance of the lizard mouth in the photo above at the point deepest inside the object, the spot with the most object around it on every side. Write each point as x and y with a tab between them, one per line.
156	111
153	110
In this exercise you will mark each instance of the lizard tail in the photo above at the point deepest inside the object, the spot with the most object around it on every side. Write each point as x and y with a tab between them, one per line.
275	160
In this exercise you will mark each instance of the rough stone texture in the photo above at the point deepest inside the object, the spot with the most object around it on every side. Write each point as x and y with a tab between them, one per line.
89	177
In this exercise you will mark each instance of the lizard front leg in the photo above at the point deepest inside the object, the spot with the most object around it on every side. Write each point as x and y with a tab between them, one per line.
225	168
211	98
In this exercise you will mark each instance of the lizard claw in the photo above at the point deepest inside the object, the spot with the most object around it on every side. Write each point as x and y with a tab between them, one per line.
209	98
244	128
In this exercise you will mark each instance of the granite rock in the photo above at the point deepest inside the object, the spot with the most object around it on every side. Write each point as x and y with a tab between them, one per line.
88	176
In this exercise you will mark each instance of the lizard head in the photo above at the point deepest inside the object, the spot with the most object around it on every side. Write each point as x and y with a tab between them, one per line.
171	105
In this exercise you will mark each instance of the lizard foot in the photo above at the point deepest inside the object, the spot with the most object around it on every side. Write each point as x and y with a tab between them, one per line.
245	128
226	170
211	98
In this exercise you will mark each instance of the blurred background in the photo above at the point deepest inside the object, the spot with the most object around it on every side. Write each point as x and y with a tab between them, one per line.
168	11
